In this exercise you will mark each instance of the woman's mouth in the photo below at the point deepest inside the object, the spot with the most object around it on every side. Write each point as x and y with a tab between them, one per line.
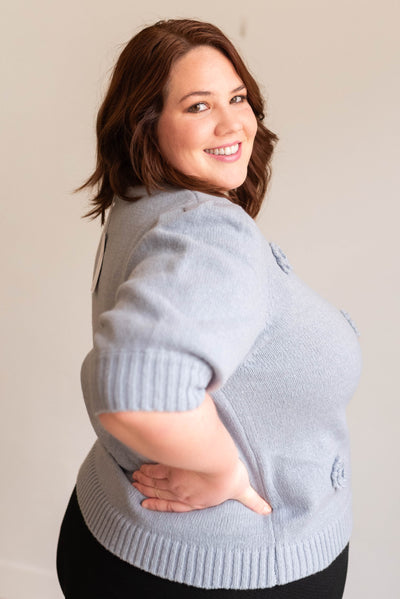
226	153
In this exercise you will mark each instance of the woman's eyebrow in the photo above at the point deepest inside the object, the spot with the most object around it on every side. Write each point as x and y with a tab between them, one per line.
207	93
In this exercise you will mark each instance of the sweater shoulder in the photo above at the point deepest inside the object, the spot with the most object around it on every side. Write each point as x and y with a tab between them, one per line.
185	215
177	200
205	215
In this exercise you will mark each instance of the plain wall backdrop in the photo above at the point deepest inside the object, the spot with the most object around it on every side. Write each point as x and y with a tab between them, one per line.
330	73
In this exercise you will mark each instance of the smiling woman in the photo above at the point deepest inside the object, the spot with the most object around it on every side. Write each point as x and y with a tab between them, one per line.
211	139
217	381
144	91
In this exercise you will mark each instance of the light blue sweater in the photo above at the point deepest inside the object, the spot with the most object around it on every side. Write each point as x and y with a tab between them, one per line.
191	297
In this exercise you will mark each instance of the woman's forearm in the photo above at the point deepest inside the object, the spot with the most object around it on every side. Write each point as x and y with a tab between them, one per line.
193	440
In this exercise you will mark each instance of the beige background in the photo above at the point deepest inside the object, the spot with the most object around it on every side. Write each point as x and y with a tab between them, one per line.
330	71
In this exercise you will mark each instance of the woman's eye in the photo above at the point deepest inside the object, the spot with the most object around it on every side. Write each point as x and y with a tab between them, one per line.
199	107
238	99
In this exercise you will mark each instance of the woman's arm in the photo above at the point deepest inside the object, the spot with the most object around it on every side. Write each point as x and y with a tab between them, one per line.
198	463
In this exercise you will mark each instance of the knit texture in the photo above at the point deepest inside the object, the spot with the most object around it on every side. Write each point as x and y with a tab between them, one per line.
191	297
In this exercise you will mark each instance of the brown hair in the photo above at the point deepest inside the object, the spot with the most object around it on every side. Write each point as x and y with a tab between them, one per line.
128	153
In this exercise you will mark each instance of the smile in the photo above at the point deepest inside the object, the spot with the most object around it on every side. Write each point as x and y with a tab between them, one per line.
225	151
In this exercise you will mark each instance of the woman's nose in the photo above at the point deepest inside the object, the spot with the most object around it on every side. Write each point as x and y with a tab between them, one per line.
227	122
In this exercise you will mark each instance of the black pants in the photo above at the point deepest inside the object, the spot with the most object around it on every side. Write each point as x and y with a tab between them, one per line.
86	570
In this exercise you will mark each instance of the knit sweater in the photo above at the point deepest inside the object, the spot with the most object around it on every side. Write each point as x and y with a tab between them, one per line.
189	296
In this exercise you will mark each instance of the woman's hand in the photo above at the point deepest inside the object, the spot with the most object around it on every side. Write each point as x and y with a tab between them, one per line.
171	489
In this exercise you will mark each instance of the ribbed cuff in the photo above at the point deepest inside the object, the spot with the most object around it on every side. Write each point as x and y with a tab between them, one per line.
150	380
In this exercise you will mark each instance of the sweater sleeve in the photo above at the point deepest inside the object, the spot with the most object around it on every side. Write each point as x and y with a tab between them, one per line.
192	305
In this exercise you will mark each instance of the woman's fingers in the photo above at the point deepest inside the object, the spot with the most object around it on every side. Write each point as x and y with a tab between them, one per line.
154	470
251	499
154	492
162	500
160	483
249	496
163	505
172	489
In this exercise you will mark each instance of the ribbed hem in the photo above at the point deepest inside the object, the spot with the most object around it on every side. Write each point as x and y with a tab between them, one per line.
314	553
145	380
210	566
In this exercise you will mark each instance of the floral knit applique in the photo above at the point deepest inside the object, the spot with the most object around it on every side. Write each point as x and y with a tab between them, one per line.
280	257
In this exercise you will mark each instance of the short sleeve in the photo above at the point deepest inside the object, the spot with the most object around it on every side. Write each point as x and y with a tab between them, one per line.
187	314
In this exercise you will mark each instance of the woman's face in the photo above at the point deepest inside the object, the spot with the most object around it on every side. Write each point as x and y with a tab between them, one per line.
207	127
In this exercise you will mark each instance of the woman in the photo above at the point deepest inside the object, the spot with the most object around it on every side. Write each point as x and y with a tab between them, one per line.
217	382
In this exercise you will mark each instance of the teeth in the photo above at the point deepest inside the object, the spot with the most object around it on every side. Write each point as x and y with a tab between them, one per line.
227	151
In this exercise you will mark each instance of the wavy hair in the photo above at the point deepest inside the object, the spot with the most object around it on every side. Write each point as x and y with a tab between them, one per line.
128	152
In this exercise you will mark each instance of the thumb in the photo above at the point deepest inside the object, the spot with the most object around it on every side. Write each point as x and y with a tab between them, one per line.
251	499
